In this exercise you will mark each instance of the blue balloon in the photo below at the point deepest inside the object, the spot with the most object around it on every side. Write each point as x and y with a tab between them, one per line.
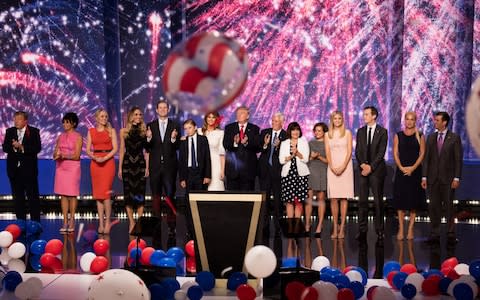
33	227
435	272
176	254
342	279
389	267
38	247
195	292
172	283
206	280
156	256
409	291
474	269
166	262
158	291
180	270
327	277
357	288
364	275
11	280
135	252
235	280
462	291
289	262
443	284
399	280
331	270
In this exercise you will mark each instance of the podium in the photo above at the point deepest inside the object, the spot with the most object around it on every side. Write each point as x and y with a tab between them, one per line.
225	225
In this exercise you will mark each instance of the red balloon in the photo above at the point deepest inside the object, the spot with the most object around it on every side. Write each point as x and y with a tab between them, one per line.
345	294
371	292
347	269
430	286
450	262
390	278
54	246
408	268
452	274
141	244
14	229
294	290
146	253
309	293
191	265
246	292
190	248
47	260
99	264
101	246
446	270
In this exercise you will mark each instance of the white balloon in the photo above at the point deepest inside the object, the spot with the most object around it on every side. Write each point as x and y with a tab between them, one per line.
23	291
416	279
326	290
464	279
16	250
36	285
354	275
117	284
180	295
17	265
320	262
86	261
6	239
383	293
4	257
260	261
462	269
187	284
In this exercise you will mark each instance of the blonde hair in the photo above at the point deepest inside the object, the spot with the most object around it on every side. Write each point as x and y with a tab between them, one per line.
128	127
330	126
414	115
108	126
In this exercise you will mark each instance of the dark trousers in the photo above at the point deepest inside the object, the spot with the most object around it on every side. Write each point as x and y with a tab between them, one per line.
194	183
270	183
25	186
241	183
163	183
441	197
375	183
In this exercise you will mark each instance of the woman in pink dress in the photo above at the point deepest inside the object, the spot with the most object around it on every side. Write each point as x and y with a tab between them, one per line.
338	147
67	170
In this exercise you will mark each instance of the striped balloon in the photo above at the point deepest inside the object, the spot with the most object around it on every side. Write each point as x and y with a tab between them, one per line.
205	73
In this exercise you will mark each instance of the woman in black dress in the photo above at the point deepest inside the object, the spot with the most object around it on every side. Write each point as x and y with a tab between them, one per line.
133	164
408	151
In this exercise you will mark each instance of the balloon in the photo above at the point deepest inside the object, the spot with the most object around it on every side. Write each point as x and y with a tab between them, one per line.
345	294
134	253
326	290
54	246
159	291
383	293
474	269
101	246
14	229
389	267
146	256
141	244
399	280
364	275
461	269
99	265
172	284
416	279
357	288
408	291
260	261
187	284
6	239
90	235
180	295
34	261
430	286
444	283
246	292
235	280
23	291
166	262
309	293
320	262
156	256
452	274
190	248
118	284
408	268
289	262
195	292
469	280
16	250
205	73
11	280
176	254
462	291
348	269
86	261
450	262
36	286
370	292
354	275
47	260
390	278
294	290
191	265
38	247
17	265
342	279
206	280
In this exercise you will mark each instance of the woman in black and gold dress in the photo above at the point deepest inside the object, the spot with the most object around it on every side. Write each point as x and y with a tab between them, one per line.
133	164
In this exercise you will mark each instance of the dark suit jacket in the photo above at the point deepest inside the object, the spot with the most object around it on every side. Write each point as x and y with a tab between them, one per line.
264	166
448	164
203	158
377	150
159	149
241	161
28	159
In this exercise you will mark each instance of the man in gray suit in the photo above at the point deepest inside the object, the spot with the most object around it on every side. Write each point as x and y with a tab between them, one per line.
442	168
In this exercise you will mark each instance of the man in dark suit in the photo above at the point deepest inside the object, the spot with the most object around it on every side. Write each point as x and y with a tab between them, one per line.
270	172
195	165
442	168
241	142
22	144
162	144
370	152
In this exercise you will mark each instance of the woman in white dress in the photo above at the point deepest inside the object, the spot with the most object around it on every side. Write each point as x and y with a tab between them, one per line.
211	129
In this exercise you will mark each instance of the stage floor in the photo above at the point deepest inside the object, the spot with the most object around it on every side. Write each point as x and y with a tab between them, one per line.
370	255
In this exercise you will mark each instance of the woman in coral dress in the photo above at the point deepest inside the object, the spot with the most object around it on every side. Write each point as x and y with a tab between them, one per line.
101	147
67	169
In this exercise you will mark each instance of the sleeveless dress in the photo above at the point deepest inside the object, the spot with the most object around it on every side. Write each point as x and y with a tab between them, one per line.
215	143
407	190
317	180
339	186
133	168
102	174
67	172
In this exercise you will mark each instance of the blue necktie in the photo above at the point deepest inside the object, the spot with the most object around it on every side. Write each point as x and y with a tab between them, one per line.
192	154
272	148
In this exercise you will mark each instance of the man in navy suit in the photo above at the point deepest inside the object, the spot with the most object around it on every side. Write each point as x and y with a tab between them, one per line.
241	142
22	144
370	154
442	169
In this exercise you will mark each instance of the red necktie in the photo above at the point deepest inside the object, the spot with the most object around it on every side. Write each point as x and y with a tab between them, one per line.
242	133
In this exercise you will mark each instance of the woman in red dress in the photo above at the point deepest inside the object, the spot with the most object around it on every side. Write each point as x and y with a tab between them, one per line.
101	147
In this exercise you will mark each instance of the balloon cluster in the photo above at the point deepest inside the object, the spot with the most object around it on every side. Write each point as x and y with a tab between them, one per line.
96	262
12	249
455	279
29	289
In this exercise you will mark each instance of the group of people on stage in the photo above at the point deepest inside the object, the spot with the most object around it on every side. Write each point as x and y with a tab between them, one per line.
291	170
